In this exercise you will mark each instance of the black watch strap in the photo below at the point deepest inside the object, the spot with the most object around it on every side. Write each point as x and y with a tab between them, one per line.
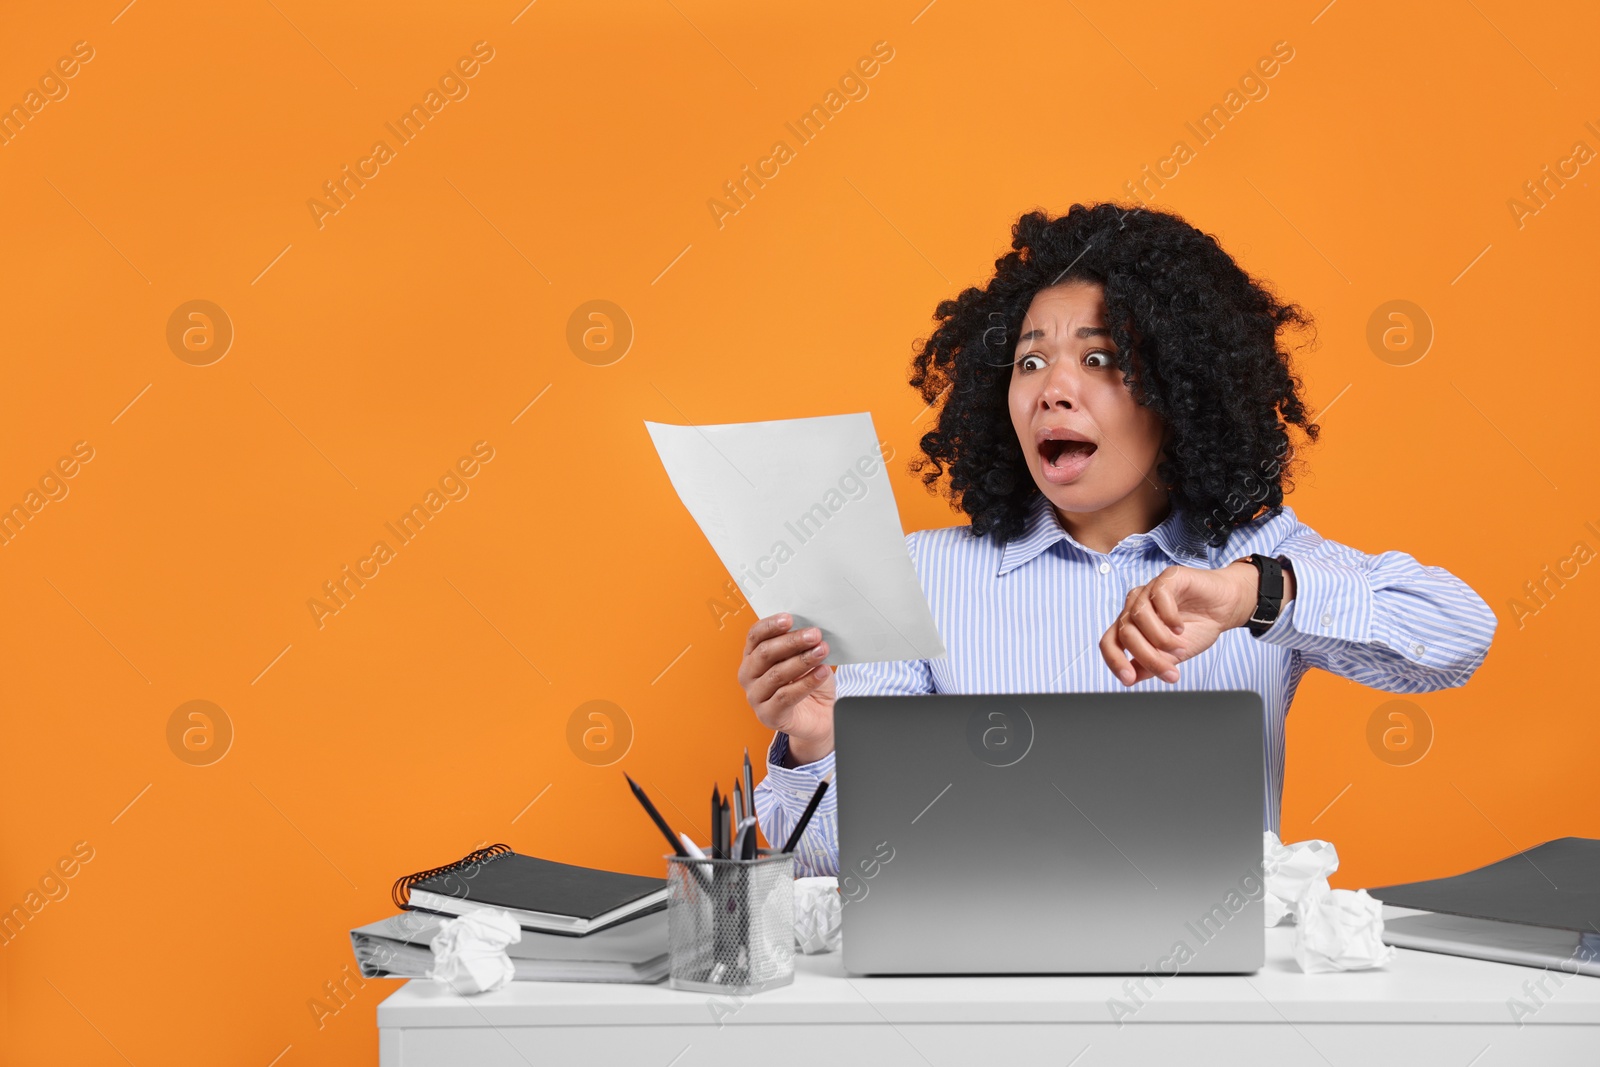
1269	598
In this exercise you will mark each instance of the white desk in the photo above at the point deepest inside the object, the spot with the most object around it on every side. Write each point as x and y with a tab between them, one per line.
1424	1009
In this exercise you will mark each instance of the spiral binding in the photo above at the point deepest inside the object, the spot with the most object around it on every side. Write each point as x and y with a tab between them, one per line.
401	891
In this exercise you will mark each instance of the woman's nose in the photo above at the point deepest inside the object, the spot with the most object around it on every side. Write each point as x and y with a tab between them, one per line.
1061	388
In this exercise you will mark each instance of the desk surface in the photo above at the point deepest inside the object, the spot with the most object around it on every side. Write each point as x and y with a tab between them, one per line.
1417	987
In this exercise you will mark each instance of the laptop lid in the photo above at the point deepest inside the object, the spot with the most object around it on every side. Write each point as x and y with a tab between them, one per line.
1051	833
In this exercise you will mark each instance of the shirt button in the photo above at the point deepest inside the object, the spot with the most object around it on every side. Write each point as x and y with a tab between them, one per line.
1327	620
1418	649
1105	568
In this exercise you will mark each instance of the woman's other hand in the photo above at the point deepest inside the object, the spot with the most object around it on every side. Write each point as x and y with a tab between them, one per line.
1179	615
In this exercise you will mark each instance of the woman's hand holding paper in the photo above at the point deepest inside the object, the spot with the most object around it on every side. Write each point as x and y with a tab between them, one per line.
789	686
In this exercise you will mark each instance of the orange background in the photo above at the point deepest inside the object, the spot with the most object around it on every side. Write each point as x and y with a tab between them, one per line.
427	715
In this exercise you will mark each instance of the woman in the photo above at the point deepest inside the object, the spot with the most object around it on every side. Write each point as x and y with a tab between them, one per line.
1117	427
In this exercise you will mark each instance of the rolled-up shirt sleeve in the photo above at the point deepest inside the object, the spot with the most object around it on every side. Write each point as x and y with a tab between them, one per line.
1383	620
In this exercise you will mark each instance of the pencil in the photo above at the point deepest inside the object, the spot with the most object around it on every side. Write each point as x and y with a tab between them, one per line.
661	824
716	823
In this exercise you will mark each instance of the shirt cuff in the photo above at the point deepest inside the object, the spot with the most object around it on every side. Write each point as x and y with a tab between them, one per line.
1331	601
798	782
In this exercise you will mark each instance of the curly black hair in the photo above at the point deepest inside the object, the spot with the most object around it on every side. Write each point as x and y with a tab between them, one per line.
1197	342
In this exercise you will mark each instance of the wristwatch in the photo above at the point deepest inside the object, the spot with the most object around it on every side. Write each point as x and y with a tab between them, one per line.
1269	598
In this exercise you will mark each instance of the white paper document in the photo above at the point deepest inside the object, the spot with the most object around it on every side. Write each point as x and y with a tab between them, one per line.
801	513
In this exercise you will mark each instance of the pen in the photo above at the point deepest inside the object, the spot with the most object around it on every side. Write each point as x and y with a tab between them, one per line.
805	817
693	849
661	824
749	783
702	871
744	845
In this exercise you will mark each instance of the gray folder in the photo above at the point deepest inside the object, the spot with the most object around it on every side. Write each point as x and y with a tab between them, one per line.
1537	908
1556	884
631	951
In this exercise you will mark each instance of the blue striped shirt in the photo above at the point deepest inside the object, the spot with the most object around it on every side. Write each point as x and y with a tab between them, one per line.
1027	616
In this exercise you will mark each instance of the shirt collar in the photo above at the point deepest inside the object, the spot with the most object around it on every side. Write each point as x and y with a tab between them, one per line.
1043	529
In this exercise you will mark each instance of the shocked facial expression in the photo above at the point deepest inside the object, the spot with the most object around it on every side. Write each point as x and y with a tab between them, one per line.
1088	443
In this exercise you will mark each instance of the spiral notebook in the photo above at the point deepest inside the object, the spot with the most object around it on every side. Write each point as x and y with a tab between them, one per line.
540	894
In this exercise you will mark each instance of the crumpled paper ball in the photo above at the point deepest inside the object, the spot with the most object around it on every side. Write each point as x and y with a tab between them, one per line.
1341	930
818	912
469	952
1293	874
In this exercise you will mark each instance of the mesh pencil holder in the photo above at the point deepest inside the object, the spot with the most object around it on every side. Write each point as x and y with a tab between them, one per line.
730	923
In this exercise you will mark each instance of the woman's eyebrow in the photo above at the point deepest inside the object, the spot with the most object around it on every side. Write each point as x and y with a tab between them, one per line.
1083	332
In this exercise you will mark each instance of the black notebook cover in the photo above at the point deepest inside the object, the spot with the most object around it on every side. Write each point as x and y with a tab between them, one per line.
1556	884
511	880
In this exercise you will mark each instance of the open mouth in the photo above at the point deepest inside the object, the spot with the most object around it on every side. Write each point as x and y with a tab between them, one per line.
1060	453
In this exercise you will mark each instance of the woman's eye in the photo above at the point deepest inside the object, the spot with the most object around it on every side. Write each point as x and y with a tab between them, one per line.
1036	361
1099	359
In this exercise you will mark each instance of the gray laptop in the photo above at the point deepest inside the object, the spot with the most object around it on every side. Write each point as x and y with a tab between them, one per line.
1051	833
